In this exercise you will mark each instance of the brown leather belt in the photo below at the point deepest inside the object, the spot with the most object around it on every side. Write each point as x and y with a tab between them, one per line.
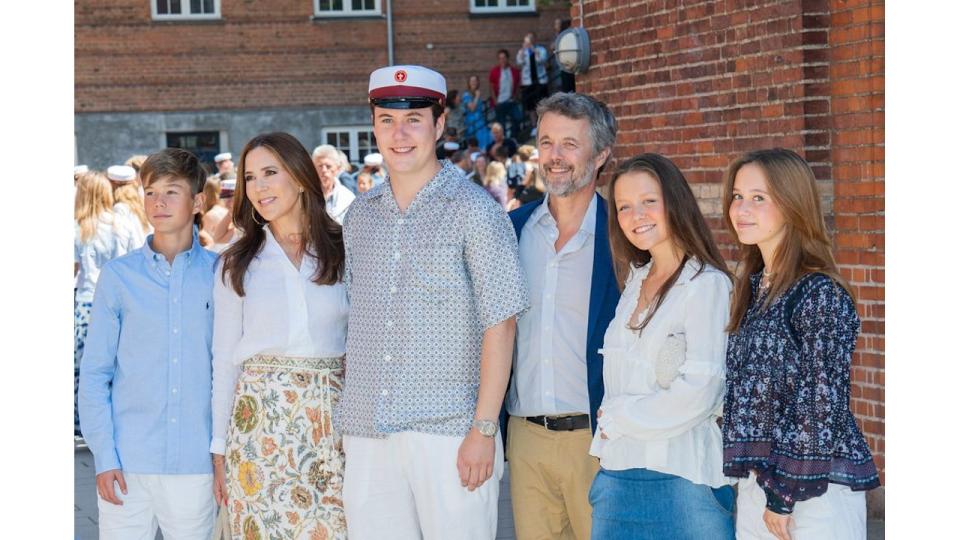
561	423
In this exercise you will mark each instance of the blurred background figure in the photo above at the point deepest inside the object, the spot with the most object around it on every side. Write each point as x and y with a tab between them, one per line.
504	87
224	232
364	182
225	165
212	213
98	237
495	182
532	59
455	118
326	159
475	113
347	177
372	165
128	203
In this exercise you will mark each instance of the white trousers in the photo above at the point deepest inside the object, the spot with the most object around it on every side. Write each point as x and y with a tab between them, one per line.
838	514
181	504
406	487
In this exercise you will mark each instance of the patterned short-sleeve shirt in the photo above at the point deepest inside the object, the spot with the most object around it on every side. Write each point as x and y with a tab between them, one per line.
423	285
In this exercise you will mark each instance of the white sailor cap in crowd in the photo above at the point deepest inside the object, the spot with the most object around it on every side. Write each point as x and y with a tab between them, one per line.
228	185
451	146
222	157
80	169
406	87
121	173
535	155
373	159
474	156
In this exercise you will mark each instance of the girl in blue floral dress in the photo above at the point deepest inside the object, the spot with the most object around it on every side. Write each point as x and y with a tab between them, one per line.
788	432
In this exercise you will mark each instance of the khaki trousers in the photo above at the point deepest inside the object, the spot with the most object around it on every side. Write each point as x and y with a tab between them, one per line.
550	477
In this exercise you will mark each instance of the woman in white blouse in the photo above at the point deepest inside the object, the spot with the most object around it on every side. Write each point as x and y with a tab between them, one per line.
658	441
280	323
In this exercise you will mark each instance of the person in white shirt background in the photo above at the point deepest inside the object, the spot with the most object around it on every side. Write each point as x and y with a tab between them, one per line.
326	160
128	203
279	335
659	445
98	238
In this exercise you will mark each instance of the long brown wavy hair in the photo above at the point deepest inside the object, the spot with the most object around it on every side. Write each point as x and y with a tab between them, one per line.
323	237
688	229
805	247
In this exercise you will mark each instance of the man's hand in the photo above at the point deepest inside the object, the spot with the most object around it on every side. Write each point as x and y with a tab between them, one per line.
475	459
219	480
777	524
105	488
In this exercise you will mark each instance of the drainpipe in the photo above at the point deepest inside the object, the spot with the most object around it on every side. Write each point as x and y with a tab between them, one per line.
389	33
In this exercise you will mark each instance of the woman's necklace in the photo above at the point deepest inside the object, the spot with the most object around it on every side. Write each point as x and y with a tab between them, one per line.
765	280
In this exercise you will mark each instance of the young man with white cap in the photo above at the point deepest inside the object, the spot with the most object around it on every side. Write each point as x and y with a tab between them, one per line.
435	287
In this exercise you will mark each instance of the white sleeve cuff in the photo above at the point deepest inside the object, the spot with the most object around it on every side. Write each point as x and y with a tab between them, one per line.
218	446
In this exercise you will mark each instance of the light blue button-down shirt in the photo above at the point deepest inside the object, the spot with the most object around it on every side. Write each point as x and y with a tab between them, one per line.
145	375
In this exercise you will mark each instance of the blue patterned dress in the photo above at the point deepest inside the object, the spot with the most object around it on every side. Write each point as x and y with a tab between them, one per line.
786	411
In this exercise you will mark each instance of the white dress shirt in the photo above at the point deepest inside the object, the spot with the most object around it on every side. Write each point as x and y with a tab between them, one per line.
550	367
338	201
283	312
671	430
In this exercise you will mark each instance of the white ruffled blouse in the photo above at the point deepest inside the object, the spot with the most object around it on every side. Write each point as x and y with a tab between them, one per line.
670	429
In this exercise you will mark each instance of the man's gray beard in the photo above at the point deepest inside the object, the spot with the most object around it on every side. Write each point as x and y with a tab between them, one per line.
572	186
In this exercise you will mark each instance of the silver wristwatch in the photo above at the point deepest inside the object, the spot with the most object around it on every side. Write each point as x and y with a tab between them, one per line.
487	428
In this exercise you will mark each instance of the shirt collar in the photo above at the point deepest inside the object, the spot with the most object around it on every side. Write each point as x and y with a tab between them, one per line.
441	183
588	225
152	255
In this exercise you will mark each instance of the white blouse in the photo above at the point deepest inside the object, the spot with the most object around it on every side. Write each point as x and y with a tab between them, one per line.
283	313
671	430
128	219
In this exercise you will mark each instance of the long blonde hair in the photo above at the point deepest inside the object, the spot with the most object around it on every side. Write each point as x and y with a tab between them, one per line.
495	175
129	193
805	247
94	199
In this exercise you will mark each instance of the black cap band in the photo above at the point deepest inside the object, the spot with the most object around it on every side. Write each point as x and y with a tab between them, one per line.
404	103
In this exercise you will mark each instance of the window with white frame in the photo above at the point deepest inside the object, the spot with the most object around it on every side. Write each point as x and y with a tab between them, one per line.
502	6
339	8
185	9
356	142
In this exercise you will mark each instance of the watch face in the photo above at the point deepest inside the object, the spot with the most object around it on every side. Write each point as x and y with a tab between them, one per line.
486	428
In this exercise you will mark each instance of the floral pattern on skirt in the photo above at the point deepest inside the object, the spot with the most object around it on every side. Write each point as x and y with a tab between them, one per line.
284	462
81	319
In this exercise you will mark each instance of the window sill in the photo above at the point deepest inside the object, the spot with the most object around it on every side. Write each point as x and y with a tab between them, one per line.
345	16
504	15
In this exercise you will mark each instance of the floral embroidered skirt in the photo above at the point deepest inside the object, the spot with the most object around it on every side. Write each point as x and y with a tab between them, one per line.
284	461
81	320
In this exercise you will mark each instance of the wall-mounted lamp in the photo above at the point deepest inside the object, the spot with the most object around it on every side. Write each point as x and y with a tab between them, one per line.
573	50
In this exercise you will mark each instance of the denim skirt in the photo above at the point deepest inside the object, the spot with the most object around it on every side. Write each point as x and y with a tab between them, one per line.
637	504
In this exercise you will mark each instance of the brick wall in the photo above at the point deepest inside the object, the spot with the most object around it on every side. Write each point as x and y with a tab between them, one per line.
703	81
271	53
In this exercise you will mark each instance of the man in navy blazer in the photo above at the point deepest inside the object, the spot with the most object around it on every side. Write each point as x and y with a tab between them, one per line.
557	380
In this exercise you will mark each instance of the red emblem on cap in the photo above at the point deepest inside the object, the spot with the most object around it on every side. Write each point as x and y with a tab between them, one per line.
400	76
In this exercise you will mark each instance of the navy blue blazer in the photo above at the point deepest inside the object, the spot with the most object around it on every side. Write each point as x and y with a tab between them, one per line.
604	295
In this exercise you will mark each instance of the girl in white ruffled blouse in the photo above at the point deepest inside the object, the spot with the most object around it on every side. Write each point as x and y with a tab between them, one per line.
658	441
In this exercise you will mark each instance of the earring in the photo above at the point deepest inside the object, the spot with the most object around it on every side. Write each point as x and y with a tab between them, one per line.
253	212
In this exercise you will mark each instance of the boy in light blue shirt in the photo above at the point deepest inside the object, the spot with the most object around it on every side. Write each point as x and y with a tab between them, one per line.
145	376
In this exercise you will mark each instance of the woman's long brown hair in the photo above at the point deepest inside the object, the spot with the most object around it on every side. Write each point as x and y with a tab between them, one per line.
805	247
323	237
688	229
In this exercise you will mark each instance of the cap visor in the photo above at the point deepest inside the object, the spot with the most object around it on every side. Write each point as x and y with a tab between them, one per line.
404	103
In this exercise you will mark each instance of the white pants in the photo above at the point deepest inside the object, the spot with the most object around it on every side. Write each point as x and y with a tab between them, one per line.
181	504
838	514
406	487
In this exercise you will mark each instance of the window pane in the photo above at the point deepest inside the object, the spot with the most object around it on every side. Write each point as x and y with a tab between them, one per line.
195	6
369	5
332	138
356	5
162	7
208	6
338	5
175	7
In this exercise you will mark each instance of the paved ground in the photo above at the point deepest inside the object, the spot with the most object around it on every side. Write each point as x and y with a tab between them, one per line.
85	504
